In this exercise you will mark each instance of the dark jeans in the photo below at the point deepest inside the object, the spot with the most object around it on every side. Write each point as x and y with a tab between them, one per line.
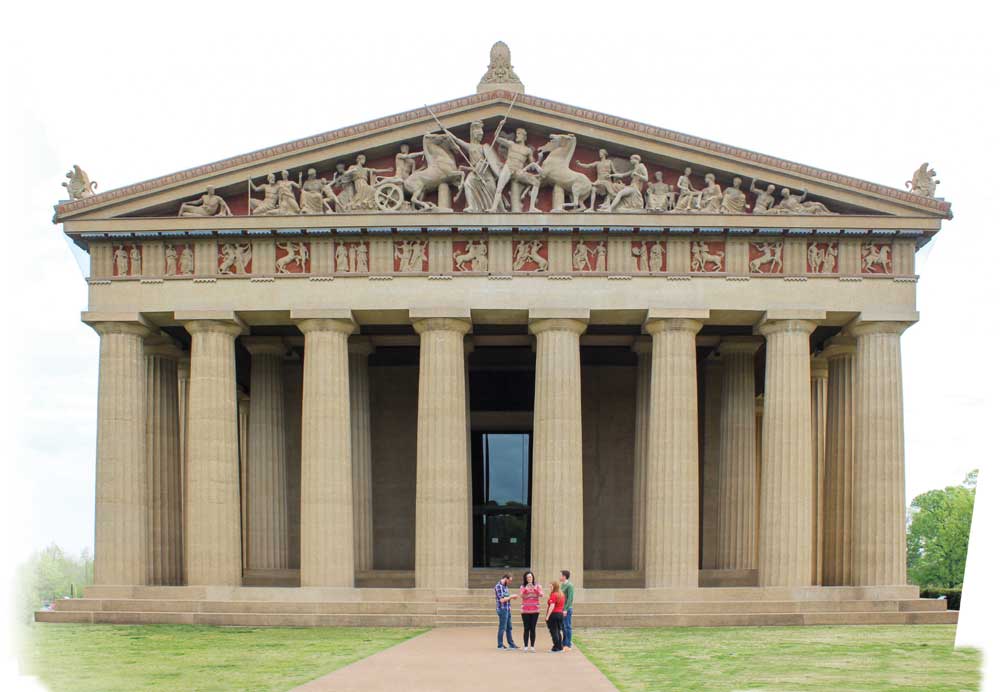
530	621
567	628
555	629
504	626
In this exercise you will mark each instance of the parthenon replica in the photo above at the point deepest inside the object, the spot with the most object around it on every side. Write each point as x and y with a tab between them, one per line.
353	378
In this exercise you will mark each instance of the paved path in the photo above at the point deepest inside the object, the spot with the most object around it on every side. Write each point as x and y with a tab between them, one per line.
464	659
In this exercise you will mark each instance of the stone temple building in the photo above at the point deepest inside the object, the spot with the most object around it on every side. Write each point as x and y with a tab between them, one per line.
352	378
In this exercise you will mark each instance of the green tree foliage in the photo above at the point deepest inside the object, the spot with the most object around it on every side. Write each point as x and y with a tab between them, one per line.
50	574
937	536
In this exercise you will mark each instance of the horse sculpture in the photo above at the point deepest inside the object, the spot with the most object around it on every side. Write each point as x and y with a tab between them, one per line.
441	168
555	171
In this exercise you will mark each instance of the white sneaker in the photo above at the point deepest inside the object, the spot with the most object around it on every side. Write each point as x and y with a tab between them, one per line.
532	649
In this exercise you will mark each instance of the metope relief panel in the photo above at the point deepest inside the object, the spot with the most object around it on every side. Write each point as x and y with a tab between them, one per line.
590	256
648	256
351	257
823	258
235	258
766	257
530	256
876	258
470	256
126	260
178	259
292	257
410	257
708	256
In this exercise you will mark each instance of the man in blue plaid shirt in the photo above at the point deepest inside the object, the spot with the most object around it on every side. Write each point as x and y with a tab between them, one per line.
503	612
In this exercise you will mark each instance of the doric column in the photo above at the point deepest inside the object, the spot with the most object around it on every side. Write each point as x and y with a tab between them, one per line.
758	416
327	550
183	382
163	463
361	452
212	533
672	453
711	459
643	348
121	554
838	493
293	457
786	456
557	449
443	511
879	548
818	379
738	470
242	428
267	497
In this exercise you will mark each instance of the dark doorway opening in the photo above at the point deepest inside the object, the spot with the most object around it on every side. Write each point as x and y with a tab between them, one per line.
501	499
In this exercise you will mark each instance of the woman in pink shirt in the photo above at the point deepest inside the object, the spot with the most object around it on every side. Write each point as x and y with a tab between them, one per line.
531	594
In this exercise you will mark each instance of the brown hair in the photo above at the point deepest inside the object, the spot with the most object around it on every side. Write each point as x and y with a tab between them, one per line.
555	587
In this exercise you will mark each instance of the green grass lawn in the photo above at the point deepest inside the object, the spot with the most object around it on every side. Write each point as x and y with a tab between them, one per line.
800	659
108	658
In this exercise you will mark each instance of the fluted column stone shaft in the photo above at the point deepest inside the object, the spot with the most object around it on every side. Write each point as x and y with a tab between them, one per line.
644	352
711	461
361	453
121	554
242	428
163	461
212	533
879	548
818	385
838	488
786	457
183	382
738	468
267	501
327	550
443	511
672	456
557	450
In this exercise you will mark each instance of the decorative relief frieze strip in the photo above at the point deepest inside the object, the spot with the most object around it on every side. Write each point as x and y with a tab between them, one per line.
205	280
619	277
321	278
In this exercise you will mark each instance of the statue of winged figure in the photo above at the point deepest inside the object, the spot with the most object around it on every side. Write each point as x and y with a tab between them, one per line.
80	186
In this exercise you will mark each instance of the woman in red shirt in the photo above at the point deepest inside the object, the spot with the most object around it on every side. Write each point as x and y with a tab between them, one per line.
554	616
531	594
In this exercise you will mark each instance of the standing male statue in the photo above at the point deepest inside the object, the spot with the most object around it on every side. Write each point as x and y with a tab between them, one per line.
519	158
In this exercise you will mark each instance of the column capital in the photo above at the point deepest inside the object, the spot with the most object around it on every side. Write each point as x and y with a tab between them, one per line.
265	345
819	368
118	323
664	324
859	328
133	328
740	344
767	327
557	324
445	324
326	324
360	345
642	344
219	322
163	347
840	346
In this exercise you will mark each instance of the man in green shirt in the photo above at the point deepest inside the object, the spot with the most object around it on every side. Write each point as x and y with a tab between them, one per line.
566	586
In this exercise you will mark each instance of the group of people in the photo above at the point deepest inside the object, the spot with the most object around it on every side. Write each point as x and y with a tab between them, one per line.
558	611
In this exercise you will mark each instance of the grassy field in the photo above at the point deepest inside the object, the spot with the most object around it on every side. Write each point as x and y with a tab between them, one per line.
109	658
915	658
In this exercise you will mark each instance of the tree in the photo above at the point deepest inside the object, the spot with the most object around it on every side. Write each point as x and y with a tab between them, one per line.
51	574
937	536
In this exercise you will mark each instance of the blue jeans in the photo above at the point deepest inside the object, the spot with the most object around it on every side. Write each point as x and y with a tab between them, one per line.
567	627
503	614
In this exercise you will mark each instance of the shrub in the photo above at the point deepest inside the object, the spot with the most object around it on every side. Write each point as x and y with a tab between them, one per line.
953	595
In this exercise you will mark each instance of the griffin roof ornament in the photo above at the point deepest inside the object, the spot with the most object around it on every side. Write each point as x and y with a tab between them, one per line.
500	74
79	185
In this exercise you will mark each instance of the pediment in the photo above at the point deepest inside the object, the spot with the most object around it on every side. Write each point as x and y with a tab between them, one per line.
666	154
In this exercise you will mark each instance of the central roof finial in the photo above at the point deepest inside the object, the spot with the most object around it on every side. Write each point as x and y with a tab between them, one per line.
500	74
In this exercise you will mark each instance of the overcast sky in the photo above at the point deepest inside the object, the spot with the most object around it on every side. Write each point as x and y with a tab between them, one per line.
862	89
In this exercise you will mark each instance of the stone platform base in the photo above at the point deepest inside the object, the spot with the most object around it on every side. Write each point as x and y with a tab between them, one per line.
406	607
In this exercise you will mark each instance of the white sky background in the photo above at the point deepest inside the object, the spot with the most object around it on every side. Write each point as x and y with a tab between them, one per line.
868	89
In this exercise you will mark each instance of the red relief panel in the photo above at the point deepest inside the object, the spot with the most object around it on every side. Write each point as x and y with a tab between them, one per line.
235	258
766	257
351	257
126	260
590	255
649	256
708	256
292	258
530	255
876	258
178	260
410	256
823	258
469	256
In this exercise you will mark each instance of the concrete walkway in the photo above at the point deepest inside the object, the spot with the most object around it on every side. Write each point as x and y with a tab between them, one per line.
464	659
